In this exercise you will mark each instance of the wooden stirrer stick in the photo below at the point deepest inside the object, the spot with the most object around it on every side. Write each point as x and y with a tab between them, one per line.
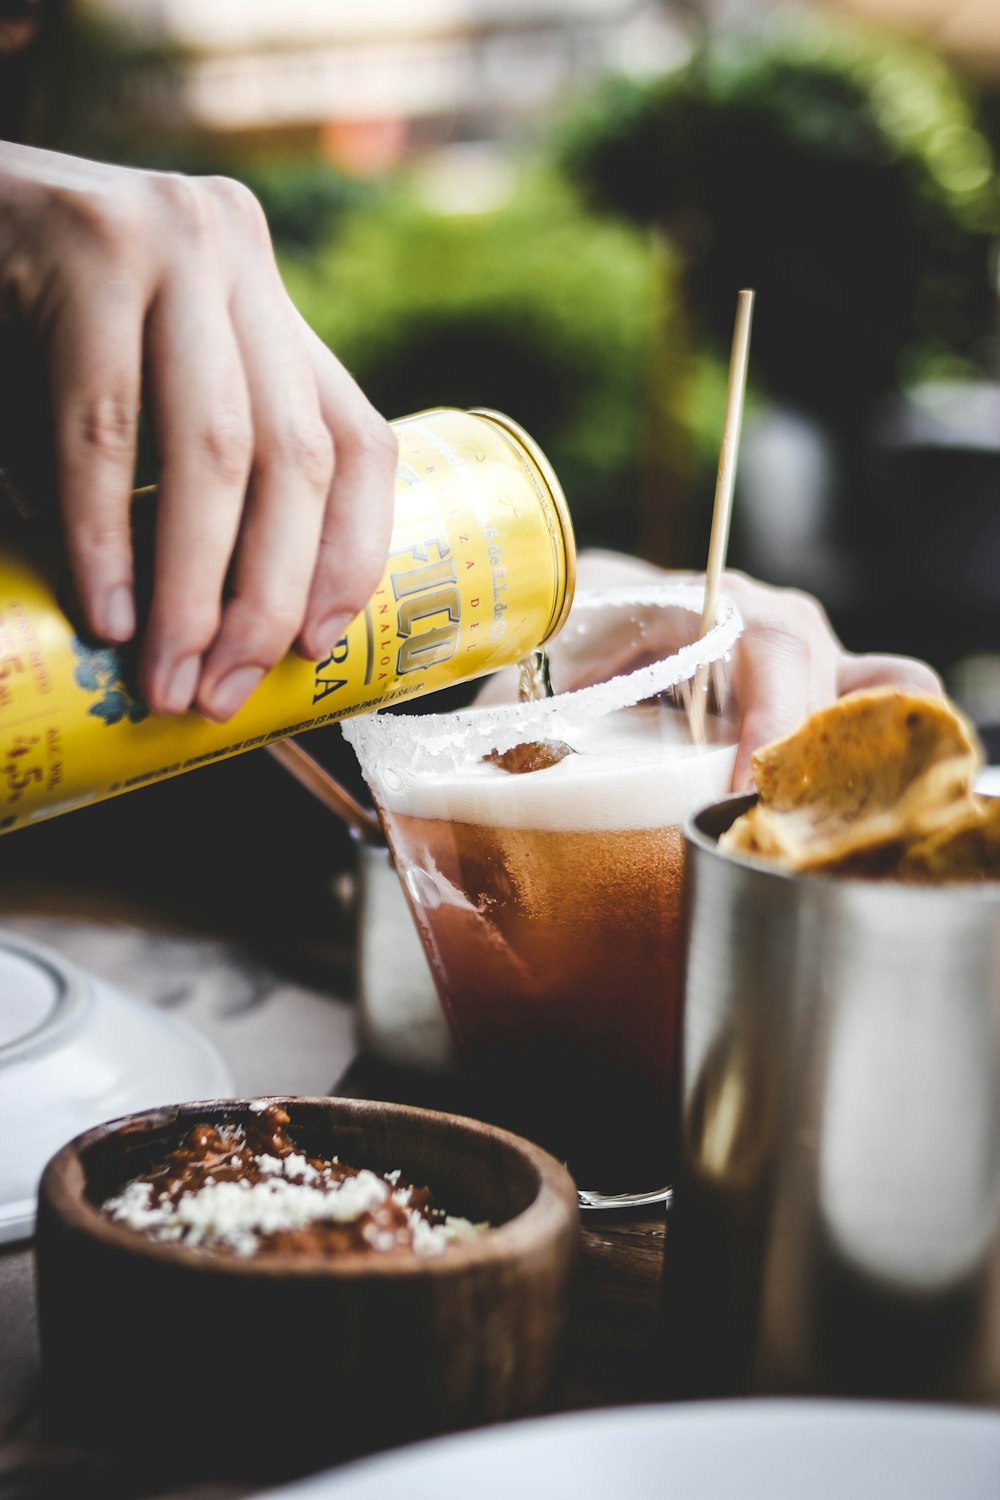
723	507
317	779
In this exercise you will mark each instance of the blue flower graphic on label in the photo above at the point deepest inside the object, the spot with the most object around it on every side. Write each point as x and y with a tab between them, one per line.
99	670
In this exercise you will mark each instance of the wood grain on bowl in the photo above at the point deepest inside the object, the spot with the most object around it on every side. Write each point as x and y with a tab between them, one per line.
280	1364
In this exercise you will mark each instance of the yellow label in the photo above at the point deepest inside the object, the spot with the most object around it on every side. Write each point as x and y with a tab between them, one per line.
479	573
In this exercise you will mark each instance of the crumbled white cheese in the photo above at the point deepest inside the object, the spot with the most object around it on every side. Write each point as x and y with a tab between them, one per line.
381	1239
300	1168
293	1195
132	1206
431	1239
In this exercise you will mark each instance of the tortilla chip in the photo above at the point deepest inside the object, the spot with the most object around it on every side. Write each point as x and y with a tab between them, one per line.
967	850
863	783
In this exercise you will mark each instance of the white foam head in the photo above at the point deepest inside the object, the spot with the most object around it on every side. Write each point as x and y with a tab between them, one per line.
399	752
639	770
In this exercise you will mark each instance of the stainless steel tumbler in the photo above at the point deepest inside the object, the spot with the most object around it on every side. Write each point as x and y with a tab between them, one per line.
835	1227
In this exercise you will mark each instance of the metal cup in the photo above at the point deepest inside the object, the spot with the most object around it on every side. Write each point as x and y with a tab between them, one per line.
399	1015
836	1218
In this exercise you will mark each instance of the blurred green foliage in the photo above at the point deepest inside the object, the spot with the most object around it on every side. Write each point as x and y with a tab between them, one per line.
844	177
537	309
304	197
848	178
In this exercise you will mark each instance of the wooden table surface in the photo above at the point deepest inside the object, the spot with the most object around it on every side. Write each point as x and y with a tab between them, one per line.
279	1033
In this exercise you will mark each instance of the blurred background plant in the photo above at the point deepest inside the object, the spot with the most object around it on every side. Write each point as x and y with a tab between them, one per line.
849	180
534	308
550	210
847	176
844	178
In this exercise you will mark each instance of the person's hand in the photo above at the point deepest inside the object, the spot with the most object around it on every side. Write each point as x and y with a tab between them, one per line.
787	662
276	476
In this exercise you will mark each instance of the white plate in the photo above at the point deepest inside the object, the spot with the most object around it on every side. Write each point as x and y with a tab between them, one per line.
717	1450
75	1052
988	781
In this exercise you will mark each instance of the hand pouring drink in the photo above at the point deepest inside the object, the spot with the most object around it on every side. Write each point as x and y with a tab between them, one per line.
480	571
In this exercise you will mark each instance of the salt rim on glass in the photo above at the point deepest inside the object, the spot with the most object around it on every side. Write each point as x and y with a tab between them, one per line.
448	740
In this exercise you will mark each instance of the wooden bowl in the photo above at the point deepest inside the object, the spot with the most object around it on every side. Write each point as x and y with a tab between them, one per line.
280	1364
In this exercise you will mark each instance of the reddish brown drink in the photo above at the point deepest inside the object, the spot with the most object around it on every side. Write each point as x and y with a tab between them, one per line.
555	948
563	964
547	885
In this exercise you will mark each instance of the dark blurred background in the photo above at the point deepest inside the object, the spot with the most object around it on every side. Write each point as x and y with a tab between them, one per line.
549	208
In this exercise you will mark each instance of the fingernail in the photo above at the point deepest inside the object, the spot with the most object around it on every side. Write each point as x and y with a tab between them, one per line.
119	614
180	689
232	692
321	640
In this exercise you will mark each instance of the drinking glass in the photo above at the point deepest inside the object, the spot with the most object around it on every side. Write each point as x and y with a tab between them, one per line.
540	849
